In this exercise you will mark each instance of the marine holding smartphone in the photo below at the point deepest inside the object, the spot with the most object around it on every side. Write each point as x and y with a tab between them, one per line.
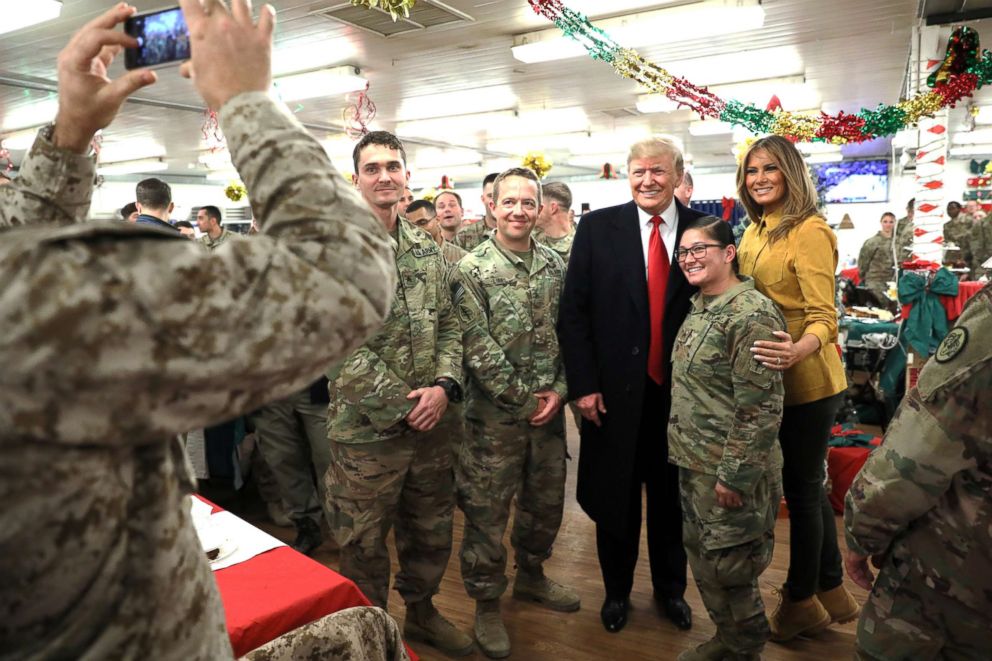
98	554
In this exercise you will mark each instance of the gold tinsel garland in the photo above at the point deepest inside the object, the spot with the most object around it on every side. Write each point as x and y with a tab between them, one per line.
536	161
235	191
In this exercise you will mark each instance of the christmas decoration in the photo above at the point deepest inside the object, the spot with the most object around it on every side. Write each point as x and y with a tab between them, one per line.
358	113
235	191
446	184
5	156
536	161
961	73
210	129
394	7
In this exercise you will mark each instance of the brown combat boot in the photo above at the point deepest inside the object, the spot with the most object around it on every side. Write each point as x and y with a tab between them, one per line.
840	604
795	618
533	585
489	630
711	650
425	624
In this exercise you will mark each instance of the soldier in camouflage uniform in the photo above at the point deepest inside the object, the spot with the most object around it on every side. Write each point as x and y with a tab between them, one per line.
956	231
875	262
902	234
922	506
471	236
391	462
422	214
353	634
208	221
555	228
507	292
978	246
107	356
726	411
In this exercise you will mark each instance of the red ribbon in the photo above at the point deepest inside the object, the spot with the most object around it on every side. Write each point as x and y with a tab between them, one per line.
728	208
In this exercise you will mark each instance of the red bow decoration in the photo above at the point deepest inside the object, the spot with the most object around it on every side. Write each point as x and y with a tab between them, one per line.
728	208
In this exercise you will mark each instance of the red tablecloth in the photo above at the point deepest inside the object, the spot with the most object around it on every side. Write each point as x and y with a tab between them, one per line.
851	274
278	591
843	465
954	305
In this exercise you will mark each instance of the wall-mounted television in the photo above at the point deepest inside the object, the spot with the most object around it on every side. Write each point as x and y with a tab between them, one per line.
852	181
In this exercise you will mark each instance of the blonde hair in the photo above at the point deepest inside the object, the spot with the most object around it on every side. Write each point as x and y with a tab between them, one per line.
800	192
654	147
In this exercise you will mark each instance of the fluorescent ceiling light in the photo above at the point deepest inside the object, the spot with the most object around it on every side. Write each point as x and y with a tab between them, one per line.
316	54
19	14
617	159
704	19
972	150
132	149
34	114
824	158
732	68
229	174
453	104
710	127
218	160
468	124
19	140
594	8
552	120
554	141
978	136
320	83
428	158
601	143
138	166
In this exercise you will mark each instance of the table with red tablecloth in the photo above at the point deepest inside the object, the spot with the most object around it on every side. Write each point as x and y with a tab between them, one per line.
278	591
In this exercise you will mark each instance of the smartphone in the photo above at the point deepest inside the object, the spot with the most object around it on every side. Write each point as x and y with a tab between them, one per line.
162	38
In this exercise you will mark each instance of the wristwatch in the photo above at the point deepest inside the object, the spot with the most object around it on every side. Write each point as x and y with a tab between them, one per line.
451	388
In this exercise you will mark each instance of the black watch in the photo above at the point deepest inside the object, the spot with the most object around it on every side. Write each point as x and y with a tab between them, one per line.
451	389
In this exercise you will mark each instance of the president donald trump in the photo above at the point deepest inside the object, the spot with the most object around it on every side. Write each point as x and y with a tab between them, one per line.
623	303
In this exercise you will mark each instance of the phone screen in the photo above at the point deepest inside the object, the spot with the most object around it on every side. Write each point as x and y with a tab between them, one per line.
162	38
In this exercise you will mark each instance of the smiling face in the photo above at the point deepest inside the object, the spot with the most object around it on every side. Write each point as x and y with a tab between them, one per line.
516	211
426	221
764	180
382	176
888	222
652	182
449	212
713	269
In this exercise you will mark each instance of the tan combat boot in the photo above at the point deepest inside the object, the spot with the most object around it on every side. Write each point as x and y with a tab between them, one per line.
840	604
711	650
489	630
794	618
425	624
533	585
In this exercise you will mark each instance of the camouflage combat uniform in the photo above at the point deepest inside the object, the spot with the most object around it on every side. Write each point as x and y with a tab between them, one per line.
978	243
383	473
956	231
451	252
875	264
508	313
470	236
107	357
561	245
225	235
923	503
353	634
902	238
726	411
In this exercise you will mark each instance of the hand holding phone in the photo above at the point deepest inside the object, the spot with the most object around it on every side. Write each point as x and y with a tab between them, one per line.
162	38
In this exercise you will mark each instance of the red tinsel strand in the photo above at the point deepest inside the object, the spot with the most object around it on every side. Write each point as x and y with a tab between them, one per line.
848	127
956	88
358	114
211	130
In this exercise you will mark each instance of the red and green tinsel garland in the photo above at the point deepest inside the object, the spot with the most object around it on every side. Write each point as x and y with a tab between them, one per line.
962	72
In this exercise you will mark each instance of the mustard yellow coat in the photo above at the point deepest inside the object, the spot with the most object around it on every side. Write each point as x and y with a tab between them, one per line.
797	273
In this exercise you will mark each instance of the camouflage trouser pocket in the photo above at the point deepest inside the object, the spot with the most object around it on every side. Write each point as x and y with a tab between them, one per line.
721	527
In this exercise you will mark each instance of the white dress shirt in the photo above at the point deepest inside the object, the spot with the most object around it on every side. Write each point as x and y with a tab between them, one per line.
668	230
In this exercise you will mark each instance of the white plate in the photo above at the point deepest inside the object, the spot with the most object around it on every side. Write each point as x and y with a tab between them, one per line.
224	551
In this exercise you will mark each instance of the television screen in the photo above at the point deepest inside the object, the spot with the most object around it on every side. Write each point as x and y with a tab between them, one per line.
852	181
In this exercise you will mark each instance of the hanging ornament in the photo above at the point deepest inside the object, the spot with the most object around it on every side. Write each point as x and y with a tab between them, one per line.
394	7
235	191
536	161
358	113
212	135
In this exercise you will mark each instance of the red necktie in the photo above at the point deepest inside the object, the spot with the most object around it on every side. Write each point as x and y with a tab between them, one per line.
658	266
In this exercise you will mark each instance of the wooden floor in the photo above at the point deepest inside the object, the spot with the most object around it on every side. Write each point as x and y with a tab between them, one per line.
538	634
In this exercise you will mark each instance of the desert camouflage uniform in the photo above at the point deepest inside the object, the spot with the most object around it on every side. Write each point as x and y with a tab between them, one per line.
561	245
470	236
508	314
726	410
923	503
107	357
978	242
225	235
383	472
875	264
354	634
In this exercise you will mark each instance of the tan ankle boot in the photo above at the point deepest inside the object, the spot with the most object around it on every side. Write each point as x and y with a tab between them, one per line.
425	624
794	618
840	604
489	630
535	586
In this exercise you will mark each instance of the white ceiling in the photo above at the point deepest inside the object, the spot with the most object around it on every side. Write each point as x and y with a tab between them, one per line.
852	53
